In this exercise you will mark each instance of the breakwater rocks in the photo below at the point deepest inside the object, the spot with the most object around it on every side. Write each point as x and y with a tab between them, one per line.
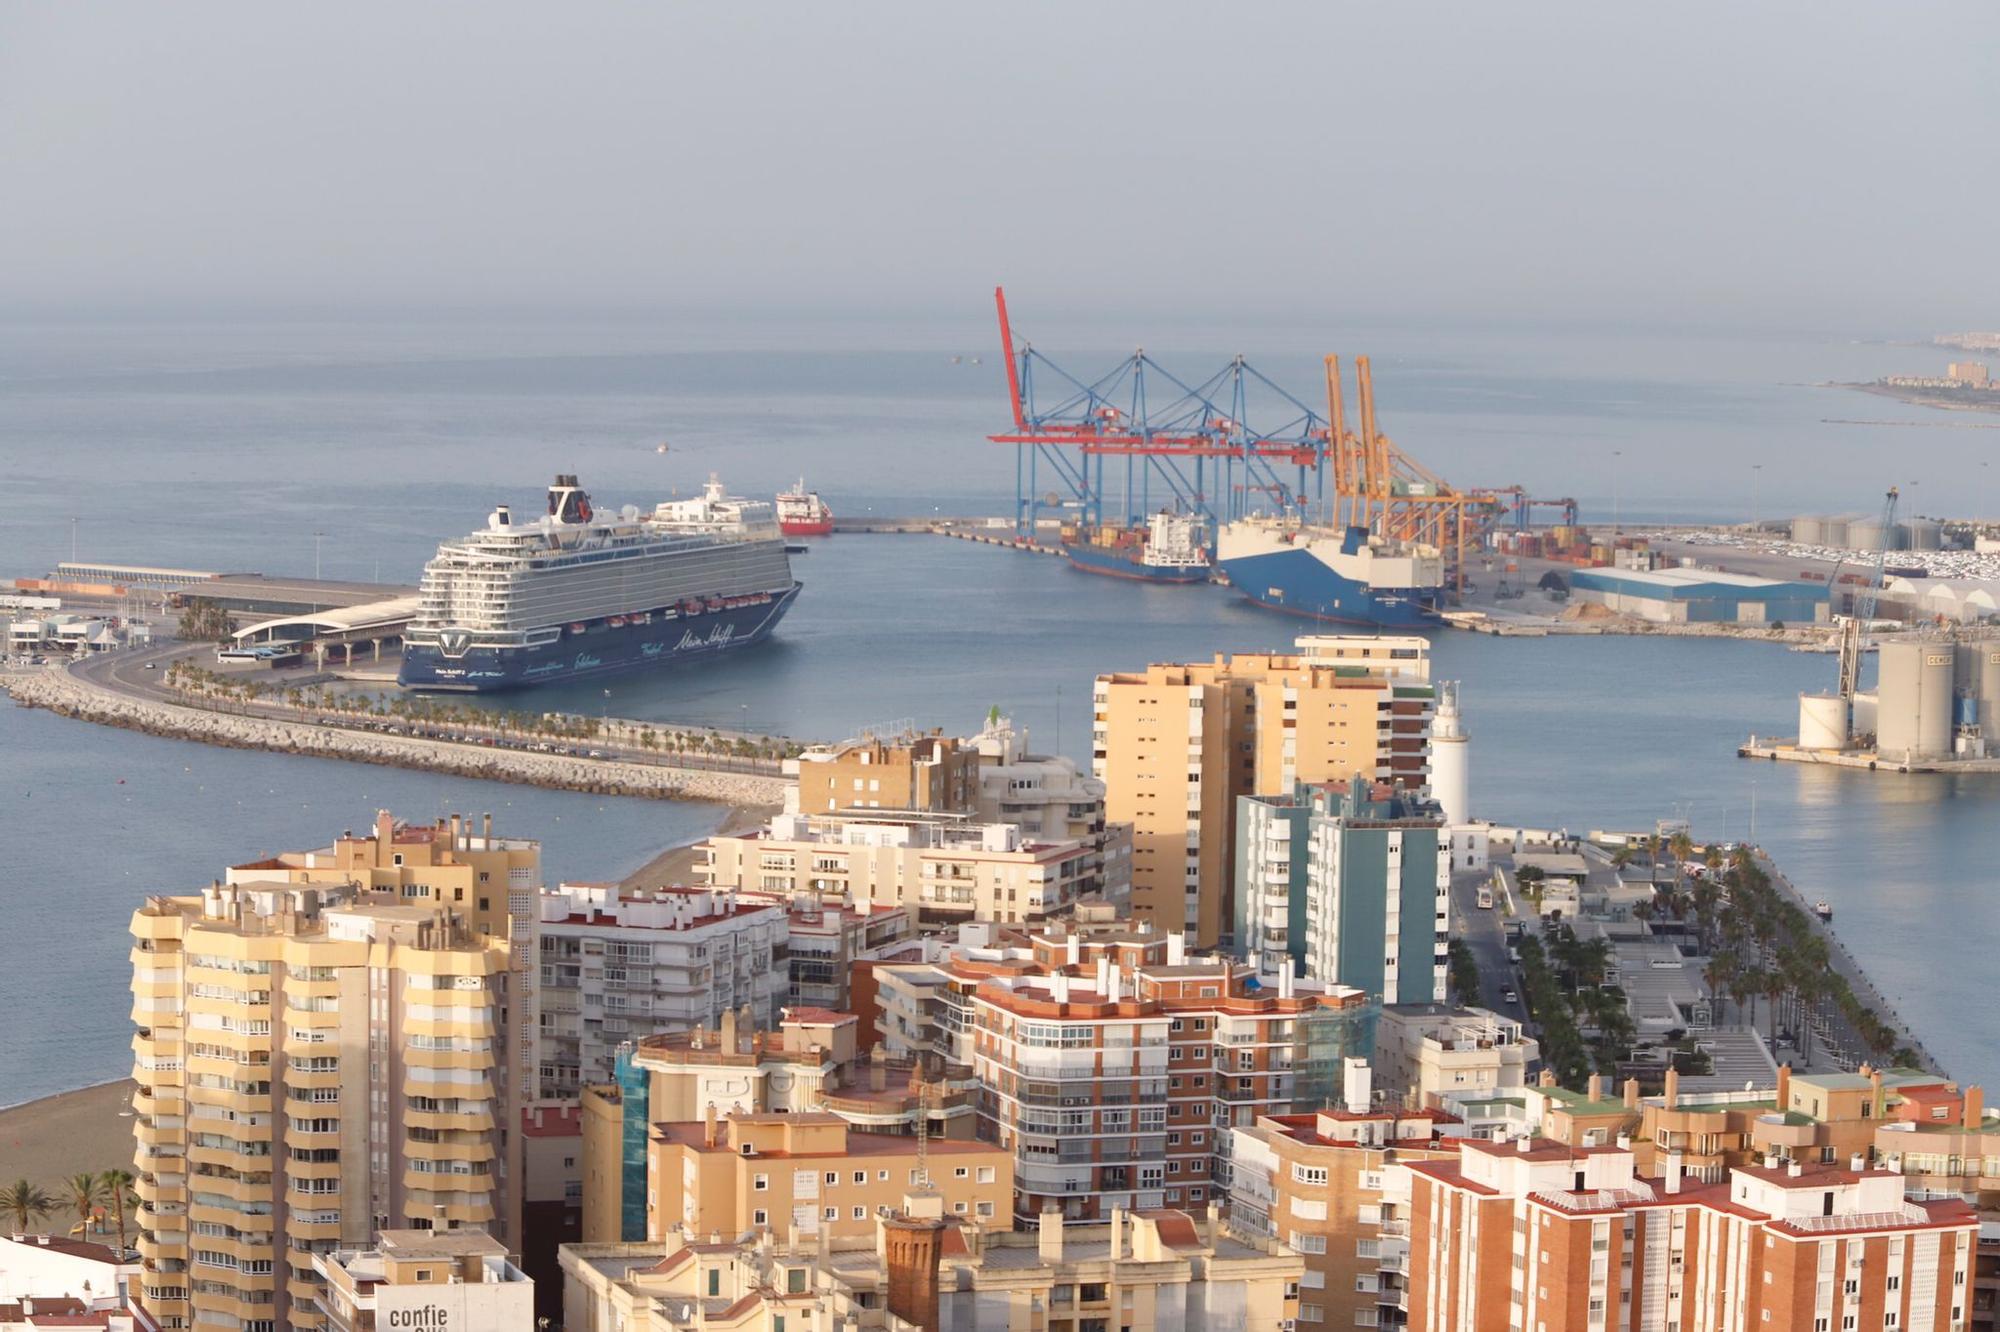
60	692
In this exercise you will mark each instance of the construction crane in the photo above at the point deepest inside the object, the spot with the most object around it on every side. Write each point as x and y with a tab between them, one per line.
1864	606
1379	487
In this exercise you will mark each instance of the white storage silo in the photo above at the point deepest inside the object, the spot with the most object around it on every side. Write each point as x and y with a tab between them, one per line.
1935	701
1861	716
1898	677
1869	534
1924	534
1807	529
1987	688
1822	721
1833	530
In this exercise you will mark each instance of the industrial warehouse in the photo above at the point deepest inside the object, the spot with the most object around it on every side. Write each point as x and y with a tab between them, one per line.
1685	596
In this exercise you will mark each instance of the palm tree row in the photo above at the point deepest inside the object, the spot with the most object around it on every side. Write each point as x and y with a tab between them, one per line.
1762	945
86	1194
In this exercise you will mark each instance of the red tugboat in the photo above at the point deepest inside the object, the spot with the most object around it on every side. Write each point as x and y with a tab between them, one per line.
802	512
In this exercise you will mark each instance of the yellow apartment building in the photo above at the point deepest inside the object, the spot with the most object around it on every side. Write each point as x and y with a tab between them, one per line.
811	1171
1175	745
313	1059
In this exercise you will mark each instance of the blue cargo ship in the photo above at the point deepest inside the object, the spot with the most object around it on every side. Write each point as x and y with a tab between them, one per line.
576	594
1338	574
1167	550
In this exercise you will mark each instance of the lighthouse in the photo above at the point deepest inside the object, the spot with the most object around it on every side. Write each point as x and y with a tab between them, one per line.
1450	773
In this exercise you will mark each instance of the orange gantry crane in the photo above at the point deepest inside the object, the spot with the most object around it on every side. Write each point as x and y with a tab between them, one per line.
1379	487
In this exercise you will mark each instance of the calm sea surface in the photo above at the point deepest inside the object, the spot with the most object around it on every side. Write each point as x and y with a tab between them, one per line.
228	448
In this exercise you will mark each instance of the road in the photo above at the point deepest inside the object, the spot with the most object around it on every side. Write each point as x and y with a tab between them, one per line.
1484	932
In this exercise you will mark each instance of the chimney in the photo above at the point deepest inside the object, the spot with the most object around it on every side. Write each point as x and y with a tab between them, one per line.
385	833
1073	950
1875	1092
1525	1143
1975	1107
1784	1096
1857	1163
455	840
1793	1169
1176	949
486	829
1049	1237
1548	1078
729	1031
708	1134
911	1247
1673	1088
1672	1174
1285	979
1597	1086
1631	1093
1117	1233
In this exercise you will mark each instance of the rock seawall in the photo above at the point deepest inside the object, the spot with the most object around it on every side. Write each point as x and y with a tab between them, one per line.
60	692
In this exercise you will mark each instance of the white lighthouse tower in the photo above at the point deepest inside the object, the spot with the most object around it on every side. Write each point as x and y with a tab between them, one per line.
1450	770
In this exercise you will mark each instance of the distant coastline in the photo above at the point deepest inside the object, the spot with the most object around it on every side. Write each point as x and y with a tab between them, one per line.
1988	401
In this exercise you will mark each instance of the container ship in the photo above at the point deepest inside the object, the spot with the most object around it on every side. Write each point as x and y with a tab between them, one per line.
578	594
1169	549
1342	574
802	512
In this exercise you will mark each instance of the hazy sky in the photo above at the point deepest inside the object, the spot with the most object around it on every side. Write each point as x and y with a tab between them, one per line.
1809	165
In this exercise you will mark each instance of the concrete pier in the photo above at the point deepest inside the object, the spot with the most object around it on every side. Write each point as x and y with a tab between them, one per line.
59	691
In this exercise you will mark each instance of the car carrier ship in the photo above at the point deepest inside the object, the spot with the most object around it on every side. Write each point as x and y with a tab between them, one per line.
576	594
1342	574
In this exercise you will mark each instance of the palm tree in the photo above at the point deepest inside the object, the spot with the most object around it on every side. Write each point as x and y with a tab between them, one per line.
25	1203
118	1185
85	1191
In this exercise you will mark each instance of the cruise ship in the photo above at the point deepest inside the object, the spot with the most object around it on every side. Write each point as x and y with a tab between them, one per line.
1341	574
575	594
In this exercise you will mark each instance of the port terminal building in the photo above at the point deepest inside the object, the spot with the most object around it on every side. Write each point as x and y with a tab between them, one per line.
1687	596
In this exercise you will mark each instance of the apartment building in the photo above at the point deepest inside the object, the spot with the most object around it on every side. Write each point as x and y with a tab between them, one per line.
1429	1055
311	1059
1177	746
621	964
1578	1239
826	939
1349	883
946	866
809	1063
1321	1184
922	1268
804	1171
990	777
424	1279
1112	1068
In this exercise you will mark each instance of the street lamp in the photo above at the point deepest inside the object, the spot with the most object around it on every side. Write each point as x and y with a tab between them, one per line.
316	540
1756	492
1616	454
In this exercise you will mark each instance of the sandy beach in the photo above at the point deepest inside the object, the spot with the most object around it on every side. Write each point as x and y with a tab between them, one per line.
675	865
47	1141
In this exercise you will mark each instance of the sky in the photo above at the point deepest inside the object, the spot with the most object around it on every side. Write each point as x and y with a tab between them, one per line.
1774	165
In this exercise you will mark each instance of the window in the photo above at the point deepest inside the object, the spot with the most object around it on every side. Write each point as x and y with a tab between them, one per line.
760	1217
1306	1174
882	1176
761	1183
861	1177
795	1281
833	1177
832	1214
961	1172
986	1175
861	1214
715	1281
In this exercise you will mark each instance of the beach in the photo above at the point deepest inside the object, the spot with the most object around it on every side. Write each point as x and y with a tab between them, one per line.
47	1141
674	867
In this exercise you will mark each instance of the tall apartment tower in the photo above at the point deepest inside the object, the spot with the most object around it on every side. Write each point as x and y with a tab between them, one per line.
1348	884
1177	745
316	1060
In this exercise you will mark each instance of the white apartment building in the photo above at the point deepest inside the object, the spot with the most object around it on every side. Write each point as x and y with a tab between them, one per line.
1433	1056
618	965
949	866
